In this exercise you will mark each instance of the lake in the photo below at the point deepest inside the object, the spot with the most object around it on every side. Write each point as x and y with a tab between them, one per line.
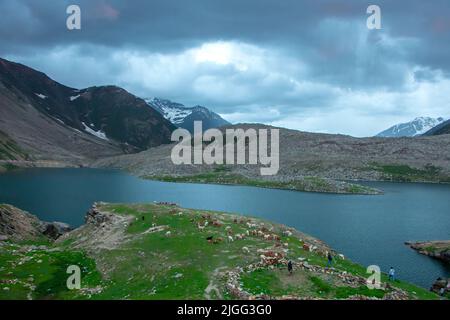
367	229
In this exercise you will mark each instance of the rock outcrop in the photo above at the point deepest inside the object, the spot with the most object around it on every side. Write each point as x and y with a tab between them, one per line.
19	225
435	249
441	286
54	230
102	230
96	218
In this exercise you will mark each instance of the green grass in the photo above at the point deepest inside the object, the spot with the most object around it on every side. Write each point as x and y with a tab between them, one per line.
45	271
176	266
268	282
9	150
405	173
263	281
8	166
193	251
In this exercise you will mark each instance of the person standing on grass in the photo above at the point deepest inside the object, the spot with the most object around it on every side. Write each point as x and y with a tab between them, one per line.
392	274
330	260
290	266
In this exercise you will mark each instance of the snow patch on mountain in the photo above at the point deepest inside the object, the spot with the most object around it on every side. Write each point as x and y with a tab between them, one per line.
99	134
174	112
40	95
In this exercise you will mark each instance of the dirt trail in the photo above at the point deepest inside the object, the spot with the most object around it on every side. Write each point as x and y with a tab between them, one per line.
212	286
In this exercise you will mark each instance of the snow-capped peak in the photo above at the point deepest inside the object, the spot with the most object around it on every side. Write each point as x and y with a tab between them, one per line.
416	127
174	112
185	117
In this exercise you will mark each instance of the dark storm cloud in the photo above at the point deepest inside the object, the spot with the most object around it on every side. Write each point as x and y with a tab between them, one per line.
173	25
310	55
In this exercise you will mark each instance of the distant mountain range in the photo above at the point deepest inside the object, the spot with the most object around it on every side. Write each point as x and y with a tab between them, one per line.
43	119
416	127
184	117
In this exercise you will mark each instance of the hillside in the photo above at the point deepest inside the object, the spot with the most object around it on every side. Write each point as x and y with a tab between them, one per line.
50	121
162	251
9	150
443	128
321	156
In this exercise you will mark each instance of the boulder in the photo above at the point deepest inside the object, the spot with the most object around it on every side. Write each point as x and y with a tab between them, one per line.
439	284
54	230
445	255
95	217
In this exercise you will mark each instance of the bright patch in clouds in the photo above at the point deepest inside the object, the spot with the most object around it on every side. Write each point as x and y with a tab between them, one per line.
238	55
220	53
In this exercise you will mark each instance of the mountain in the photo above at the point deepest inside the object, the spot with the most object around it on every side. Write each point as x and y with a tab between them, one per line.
443	128
416	127
47	120
184	117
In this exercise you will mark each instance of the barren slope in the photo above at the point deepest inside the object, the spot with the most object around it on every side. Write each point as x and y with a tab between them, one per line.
322	155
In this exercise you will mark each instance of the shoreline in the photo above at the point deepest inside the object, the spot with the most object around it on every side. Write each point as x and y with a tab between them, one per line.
436	249
9	165
259	183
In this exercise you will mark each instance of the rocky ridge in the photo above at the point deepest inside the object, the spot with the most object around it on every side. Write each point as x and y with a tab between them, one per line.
19	225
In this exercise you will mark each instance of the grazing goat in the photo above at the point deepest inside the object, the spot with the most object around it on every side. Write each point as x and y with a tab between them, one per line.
251	225
217	224
287	233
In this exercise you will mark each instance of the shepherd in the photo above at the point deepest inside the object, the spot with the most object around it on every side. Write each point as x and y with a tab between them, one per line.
290	267
392	274
330	260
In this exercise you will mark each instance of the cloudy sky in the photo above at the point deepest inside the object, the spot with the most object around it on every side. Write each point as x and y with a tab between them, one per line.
308	65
